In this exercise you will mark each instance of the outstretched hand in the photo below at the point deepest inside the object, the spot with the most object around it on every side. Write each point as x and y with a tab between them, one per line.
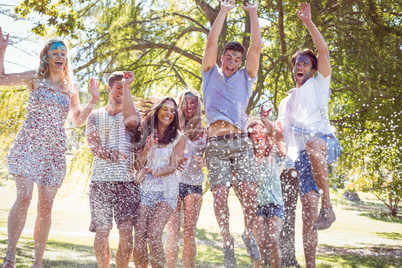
94	89
228	4
3	41
305	12
264	113
250	7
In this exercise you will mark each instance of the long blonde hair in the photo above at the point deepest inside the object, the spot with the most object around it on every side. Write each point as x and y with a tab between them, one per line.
44	68
193	127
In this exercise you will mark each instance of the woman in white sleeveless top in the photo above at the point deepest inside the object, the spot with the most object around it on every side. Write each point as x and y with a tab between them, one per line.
159	185
191	179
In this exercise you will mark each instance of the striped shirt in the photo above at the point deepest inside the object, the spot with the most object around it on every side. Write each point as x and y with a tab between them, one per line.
113	136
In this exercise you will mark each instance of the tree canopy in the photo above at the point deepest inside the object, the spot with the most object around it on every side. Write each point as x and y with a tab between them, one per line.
163	43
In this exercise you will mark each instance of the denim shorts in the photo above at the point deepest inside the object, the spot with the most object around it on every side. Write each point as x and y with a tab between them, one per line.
303	165
151	198
186	189
270	210
226	158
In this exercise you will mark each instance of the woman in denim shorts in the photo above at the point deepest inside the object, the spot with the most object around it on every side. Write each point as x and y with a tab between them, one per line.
269	217
159	185
191	179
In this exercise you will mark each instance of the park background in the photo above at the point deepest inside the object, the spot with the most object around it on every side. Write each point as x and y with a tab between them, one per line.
163	43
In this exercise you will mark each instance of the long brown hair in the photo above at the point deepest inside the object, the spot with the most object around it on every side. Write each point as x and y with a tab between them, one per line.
44	68
149	122
193	127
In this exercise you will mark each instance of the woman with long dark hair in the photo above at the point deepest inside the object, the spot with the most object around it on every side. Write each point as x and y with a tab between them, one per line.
38	152
159	185
191	179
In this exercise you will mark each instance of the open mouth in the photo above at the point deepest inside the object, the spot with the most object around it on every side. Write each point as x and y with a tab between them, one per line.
299	74
229	69
59	64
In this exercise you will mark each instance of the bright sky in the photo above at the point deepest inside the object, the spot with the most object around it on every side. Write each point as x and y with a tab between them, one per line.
22	52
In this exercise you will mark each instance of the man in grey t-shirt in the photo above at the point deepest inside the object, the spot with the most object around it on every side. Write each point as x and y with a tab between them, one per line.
109	133
226	92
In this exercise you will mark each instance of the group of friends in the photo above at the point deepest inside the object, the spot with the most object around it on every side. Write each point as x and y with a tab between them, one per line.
149	155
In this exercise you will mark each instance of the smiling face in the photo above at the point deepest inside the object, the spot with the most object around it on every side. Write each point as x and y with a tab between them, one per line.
116	93
191	106
231	62
167	113
258	137
57	56
302	69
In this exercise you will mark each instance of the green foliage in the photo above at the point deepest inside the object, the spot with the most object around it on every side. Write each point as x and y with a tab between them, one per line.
13	103
163	44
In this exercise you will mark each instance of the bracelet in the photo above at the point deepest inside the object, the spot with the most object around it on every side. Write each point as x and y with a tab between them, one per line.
109	154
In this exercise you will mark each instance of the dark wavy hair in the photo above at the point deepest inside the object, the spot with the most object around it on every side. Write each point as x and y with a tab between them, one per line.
149	122
236	46
307	52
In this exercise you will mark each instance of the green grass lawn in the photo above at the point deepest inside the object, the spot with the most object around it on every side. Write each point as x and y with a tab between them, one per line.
361	236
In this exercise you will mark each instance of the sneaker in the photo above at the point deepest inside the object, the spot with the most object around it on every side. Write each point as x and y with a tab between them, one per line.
252	248
325	219
229	257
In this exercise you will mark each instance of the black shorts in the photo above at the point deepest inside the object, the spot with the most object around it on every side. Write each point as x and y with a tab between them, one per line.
186	189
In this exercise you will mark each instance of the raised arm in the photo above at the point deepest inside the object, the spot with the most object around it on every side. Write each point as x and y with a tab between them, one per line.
79	116
211	49
273	131
129	111
323	64
254	52
15	79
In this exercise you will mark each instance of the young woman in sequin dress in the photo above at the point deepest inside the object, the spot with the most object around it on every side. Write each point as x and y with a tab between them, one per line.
38	152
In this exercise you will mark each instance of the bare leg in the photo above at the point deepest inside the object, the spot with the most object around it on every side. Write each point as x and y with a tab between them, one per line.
274	227
192	207
46	195
317	150
222	214
249	191
157	223
141	236
18	215
259	234
101	246
309	216
173	234
125	248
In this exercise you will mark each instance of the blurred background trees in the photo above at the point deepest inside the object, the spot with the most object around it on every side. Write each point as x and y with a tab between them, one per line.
163	43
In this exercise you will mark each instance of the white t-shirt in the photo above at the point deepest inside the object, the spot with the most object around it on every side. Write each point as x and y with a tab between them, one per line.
304	115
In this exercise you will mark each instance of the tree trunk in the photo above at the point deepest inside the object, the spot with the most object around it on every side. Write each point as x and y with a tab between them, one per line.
290	190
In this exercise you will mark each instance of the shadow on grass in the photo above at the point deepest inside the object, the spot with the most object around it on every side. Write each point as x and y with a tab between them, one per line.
369	256
374	210
359	261
392	236
64	254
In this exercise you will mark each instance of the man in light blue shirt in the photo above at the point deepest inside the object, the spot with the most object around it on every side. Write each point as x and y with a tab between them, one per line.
226	93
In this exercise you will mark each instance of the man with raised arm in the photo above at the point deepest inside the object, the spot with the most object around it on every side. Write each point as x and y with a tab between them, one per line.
310	142
113	193
226	91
